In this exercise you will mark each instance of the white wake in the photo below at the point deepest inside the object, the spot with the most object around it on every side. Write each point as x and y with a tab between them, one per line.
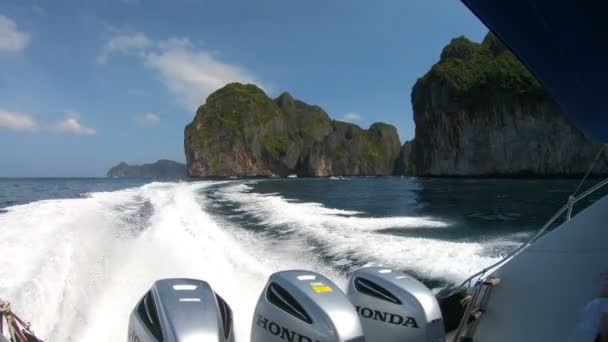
76	267
348	236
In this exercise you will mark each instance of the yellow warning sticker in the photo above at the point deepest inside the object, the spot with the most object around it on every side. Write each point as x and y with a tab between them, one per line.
321	288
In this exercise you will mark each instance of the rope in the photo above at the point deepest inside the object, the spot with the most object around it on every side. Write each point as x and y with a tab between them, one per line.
17	330
571	200
13	322
24	324
599	152
5	307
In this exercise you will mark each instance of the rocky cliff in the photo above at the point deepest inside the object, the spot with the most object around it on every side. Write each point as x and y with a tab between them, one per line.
404	164
350	150
160	169
478	111
240	131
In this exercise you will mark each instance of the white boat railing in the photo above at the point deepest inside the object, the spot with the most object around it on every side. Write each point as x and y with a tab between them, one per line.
568	207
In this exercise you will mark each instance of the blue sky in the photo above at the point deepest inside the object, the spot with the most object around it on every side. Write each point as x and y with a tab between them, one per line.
87	84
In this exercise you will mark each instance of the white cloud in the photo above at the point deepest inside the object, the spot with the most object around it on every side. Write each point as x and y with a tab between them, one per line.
12	39
129	43
72	125
147	119
21	122
17	121
190	73
351	117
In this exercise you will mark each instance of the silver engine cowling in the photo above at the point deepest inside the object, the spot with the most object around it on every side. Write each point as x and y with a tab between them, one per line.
181	310
303	306
395	307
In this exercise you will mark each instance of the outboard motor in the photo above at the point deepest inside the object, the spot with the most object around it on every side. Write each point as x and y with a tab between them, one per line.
395	307
303	306
181	310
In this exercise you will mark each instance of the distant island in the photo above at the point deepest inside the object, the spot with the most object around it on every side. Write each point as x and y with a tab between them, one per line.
478	112
160	169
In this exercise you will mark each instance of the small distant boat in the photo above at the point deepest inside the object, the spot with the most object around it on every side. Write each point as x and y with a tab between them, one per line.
292	176
233	177
274	176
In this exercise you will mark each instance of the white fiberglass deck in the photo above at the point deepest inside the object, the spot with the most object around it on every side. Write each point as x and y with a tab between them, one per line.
545	288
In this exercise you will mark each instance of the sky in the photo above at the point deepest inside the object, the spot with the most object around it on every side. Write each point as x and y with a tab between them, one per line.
87	84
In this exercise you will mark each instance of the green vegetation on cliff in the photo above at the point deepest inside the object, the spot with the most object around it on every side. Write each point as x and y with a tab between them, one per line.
241	131
472	70
375	136
277	146
236	110
233	102
479	111
238	131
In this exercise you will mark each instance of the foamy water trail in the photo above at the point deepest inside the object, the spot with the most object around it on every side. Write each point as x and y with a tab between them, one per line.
79	267
58	250
349	237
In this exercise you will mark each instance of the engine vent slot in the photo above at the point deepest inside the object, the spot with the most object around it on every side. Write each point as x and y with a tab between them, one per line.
146	310
282	299
370	288
226	315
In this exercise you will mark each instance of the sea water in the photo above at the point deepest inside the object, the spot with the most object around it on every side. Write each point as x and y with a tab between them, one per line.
77	254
